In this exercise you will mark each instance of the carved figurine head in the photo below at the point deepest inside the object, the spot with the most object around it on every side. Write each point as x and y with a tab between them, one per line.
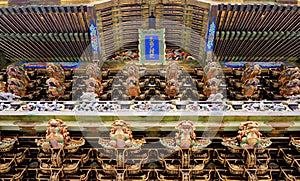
249	135
57	131
93	71
55	71
131	81
55	87
120	124
256	67
185	125
250	72
93	85
132	70
185	138
120	136
57	136
172	71
12	70
16	86
51	67
212	67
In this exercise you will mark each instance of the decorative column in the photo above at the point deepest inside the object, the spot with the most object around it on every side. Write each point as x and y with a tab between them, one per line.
94	35
211	34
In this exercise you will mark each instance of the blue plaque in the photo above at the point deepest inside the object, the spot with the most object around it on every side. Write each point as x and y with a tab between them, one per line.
152	46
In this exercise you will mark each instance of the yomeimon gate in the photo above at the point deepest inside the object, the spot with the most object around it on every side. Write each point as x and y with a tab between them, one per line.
149	90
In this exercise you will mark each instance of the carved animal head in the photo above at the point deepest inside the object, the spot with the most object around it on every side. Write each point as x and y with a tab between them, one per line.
58	126
252	82
54	125
214	82
185	125
53	83
13	71
91	82
16	83
16	86
132	70
131	81
93	70
121	124
247	127
51	68
55	88
212	66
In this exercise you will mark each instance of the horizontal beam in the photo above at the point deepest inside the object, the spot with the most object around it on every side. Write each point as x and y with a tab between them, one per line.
257	35
43	37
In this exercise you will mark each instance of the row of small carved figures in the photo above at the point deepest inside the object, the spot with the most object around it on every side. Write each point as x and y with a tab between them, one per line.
51	83
283	81
149	86
77	81
122	147
108	161
121	140
145	106
200	84
196	82
27	83
38	75
191	84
